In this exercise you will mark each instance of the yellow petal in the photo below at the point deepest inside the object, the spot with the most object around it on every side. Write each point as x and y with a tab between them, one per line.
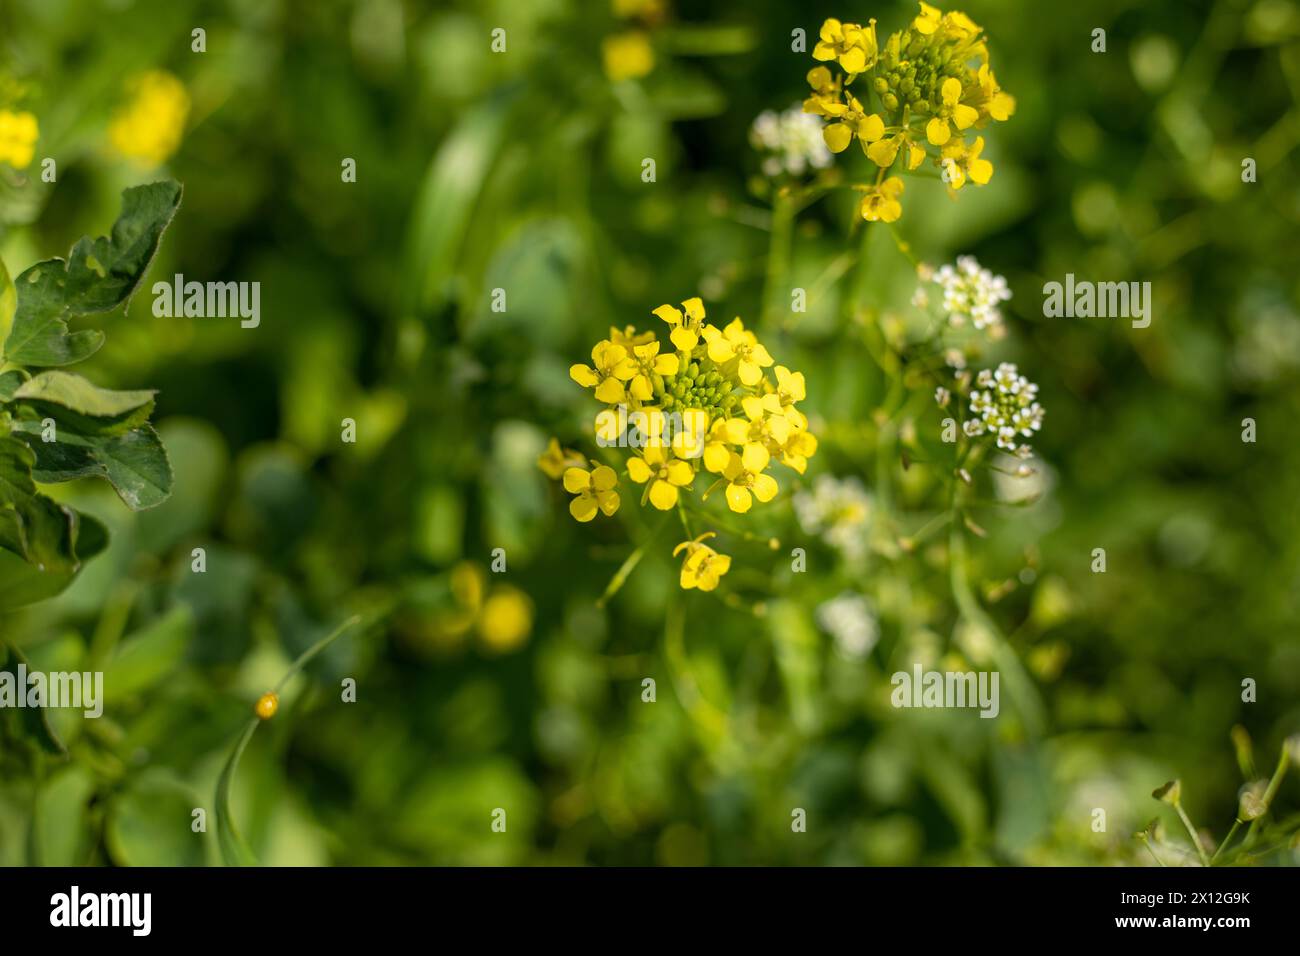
750	373
964	116
765	488
685	339
871	128
603	478
667	364
755	458
937	131
737	431
663	495
716	458
584	375
837	137
854	60
583	508
575	480
638	470
720	350
680	472
670	314
610	391
950	91
640	388
738	499
883	152
609	502
981	171
694	307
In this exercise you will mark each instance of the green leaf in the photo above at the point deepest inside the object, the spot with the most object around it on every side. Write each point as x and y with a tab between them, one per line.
146	657
135	463
235	851
32	525
99	275
8	300
151	824
76	402
22	583
10	382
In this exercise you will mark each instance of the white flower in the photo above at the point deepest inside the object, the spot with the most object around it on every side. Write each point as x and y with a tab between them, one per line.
851	621
971	293
837	510
1005	406
792	142
942	396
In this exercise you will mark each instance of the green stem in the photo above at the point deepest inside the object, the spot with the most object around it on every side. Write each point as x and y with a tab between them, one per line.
1191	832
778	256
1226	840
1284	760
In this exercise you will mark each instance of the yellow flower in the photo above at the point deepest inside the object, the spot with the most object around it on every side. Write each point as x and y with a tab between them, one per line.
612	369
850	121
665	475
703	566
148	129
506	619
629	337
717	452
627	56
18	135
801	446
745	475
881	202
791	388
989	98
686	329
938	131
595	491
885	151
767	427
928	20
650	363
556	460
962	162
735	342
691	439
849	44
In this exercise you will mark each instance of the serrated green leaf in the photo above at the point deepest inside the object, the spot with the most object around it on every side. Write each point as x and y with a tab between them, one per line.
31	525
99	275
76	402
22	583
135	464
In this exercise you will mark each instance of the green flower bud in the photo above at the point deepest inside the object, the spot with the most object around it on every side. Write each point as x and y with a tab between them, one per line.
890	101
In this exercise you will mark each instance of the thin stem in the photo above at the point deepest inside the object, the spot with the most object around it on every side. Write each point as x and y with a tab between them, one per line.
1226	840
1191	832
778	255
1283	761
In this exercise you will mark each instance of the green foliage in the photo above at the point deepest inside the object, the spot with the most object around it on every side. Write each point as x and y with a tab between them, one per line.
59	425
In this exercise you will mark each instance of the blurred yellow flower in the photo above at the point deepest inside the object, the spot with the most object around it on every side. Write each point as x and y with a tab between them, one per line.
595	491
627	56
555	461
18	135
849	44
148	129
506	619
880	203
962	162
703	566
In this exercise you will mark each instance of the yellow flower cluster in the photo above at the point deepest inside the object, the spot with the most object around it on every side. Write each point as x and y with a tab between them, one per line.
18	135
148	129
928	84
709	402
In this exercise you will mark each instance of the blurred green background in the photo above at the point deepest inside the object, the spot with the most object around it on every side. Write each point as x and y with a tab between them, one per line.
522	170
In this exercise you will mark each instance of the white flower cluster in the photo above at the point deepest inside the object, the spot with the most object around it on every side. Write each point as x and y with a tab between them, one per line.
838	510
1005	405
971	293
851	621
794	140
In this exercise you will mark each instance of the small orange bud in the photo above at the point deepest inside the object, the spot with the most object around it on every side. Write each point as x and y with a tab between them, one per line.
267	705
